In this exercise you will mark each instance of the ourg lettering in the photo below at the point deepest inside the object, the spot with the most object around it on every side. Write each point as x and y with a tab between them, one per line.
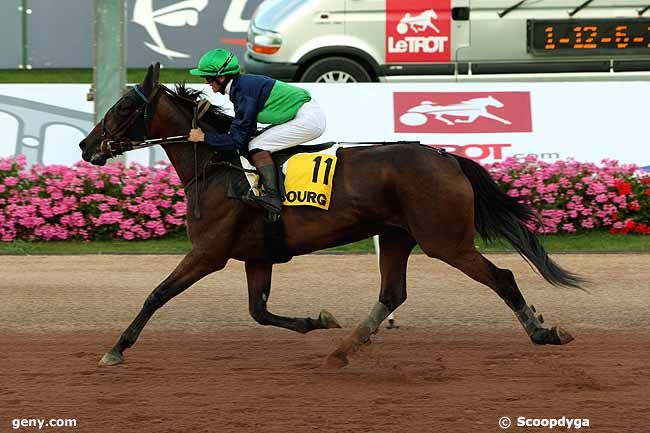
306	197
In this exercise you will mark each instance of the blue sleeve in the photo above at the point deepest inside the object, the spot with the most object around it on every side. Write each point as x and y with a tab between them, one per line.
241	128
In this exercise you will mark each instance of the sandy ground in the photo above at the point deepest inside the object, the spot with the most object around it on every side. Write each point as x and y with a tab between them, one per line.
458	363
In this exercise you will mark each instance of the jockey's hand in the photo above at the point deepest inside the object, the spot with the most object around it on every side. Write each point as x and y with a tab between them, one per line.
196	135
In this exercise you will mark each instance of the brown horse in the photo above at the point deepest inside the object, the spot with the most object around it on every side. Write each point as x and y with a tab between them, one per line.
406	193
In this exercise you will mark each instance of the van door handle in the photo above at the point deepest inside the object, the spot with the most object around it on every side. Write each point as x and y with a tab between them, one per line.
324	18
460	14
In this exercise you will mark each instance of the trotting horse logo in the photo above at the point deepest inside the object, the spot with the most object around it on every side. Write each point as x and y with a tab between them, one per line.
418	32
462	112
418	23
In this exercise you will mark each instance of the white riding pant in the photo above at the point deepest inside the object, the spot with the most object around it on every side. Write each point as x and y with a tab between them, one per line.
308	125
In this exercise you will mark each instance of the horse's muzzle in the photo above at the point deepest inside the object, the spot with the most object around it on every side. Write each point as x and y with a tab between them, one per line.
98	159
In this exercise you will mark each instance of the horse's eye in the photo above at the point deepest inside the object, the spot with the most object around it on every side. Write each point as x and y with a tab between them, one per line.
124	109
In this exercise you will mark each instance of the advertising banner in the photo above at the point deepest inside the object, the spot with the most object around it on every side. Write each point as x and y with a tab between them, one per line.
418	31
173	32
176	33
483	121
462	112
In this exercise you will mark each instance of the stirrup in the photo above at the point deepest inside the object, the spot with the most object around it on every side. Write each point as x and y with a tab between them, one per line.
258	200
268	204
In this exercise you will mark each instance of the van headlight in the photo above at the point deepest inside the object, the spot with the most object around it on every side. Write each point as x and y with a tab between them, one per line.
263	41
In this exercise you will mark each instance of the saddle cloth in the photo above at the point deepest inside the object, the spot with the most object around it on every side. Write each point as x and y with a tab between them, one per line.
308	178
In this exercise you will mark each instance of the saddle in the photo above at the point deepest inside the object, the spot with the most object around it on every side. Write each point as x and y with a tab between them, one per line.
239	187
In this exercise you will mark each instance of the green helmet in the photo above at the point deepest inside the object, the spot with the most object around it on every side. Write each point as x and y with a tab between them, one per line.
217	62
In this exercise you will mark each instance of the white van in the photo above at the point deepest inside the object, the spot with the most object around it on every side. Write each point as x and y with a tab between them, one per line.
450	40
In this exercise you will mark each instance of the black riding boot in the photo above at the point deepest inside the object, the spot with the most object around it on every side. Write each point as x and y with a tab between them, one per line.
270	198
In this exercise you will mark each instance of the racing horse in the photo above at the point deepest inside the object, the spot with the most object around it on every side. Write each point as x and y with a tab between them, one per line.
407	194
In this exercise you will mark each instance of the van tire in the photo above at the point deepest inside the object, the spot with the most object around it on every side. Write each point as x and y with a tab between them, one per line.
336	70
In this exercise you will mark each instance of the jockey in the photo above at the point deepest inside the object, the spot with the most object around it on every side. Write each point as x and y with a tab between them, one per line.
257	98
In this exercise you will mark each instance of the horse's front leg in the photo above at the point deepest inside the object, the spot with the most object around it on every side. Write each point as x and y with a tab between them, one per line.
258	275
489	115
191	269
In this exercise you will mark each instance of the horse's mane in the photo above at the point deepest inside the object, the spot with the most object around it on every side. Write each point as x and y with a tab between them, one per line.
181	90
215	114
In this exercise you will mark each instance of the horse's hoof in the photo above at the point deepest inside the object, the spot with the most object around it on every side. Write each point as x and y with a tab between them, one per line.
337	359
555	336
561	336
327	320
111	358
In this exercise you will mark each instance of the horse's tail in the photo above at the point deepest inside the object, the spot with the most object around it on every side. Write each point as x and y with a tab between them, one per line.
497	215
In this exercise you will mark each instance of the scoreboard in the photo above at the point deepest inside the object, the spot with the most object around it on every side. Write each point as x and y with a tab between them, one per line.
585	37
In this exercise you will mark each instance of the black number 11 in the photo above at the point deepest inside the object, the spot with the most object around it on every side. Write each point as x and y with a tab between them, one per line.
328	163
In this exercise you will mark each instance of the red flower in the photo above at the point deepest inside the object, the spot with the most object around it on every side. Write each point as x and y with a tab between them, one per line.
645	180
630	225
634	206
623	187
647	191
643	229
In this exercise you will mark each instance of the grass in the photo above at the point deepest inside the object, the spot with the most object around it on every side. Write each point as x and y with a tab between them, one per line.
57	76
598	242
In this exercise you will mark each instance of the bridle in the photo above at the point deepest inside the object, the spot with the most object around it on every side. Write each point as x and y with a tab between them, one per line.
114	144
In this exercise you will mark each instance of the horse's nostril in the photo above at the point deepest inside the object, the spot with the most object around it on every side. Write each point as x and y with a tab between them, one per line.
82	144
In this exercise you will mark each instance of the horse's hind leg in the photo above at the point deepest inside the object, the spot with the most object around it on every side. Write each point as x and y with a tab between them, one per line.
192	268
441	117
502	281
394	249
258	275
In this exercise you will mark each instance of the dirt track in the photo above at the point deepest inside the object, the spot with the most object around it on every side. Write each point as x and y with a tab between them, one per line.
459	362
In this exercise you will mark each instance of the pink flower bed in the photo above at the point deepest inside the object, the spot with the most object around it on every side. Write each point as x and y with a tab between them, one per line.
87	202
571	196
136	202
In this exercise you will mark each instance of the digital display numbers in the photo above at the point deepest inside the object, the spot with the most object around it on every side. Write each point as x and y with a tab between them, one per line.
584	37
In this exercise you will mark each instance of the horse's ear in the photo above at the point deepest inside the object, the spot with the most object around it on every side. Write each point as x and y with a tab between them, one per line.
147	83
156	73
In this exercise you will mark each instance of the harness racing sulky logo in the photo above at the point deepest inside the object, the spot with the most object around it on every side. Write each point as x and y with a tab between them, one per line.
176	15
462	112
419	34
